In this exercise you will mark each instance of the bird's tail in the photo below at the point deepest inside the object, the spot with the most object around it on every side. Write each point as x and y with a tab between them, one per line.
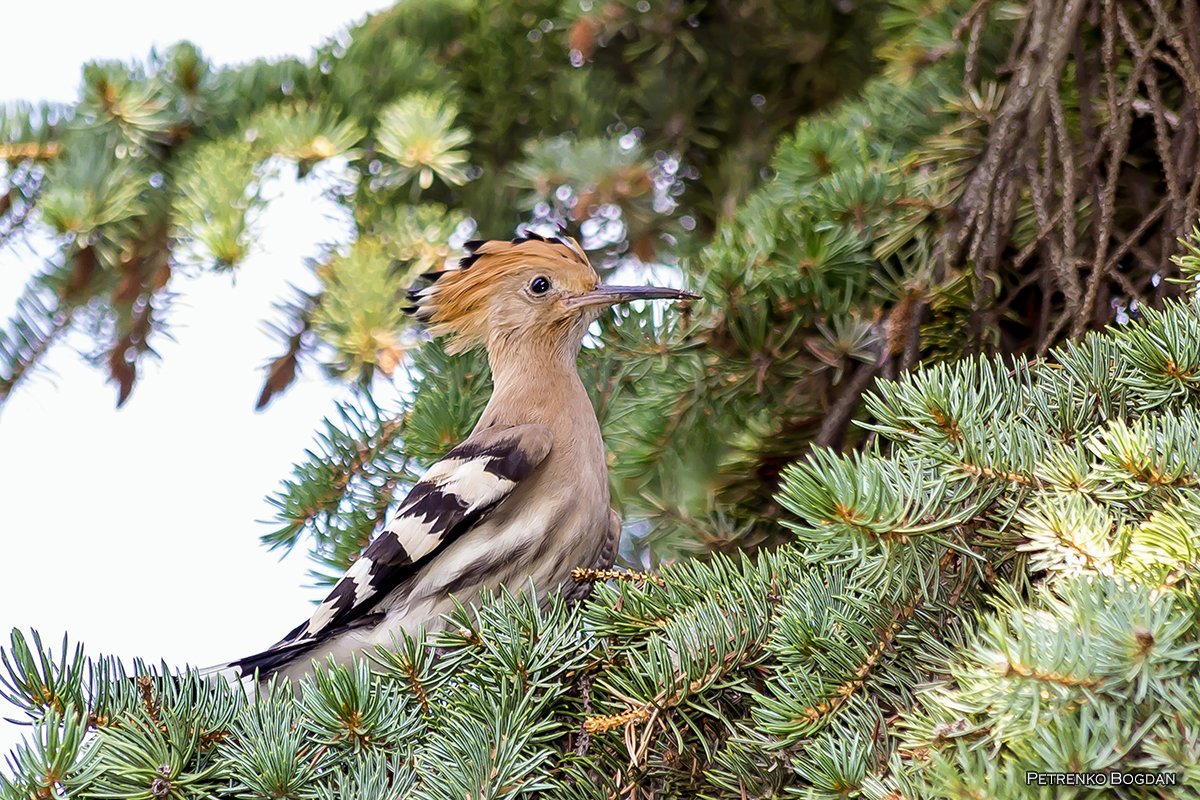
227	671
233	675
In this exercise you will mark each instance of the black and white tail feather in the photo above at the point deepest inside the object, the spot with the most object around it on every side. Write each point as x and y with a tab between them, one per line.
454	496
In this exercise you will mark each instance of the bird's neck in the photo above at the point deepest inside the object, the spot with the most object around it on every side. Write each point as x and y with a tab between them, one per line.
543	387
535	383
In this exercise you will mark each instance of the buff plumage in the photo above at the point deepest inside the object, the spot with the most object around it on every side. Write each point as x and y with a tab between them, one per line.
523	499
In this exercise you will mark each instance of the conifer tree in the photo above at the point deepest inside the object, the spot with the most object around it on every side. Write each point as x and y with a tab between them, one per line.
961	603
917	582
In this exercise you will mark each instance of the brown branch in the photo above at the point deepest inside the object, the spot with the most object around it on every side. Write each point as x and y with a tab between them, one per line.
972	21
145	685
31	151
989	200
1130	241
1120	120
589	575
1187	69
664	699
814	714
1067	273
988	472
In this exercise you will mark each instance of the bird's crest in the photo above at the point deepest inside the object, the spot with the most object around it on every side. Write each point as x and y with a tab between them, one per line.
455	302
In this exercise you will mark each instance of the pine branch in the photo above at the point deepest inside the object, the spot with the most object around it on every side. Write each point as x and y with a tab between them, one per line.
39	319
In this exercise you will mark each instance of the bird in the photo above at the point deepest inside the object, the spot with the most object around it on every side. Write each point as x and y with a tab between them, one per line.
524	498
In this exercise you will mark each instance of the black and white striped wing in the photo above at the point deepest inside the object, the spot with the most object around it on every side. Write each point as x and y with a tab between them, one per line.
454	495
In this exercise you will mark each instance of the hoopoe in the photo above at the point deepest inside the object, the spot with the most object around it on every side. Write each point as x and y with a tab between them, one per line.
524	497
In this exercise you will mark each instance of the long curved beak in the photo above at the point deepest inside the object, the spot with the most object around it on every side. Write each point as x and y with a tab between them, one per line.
605	295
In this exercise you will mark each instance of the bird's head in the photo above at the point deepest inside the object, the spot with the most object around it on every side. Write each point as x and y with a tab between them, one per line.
531	289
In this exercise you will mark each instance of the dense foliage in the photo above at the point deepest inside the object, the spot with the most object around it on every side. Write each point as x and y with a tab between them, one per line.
962	603
551	110
917	583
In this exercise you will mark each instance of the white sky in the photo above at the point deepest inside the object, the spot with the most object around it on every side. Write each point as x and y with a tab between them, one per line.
136	531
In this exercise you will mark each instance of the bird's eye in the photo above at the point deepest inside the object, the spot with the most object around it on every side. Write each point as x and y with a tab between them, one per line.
540	285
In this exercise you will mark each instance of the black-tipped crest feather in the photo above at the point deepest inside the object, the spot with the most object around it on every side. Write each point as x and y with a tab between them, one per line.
453	301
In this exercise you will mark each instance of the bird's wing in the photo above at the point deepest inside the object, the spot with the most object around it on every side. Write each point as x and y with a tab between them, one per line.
454	495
